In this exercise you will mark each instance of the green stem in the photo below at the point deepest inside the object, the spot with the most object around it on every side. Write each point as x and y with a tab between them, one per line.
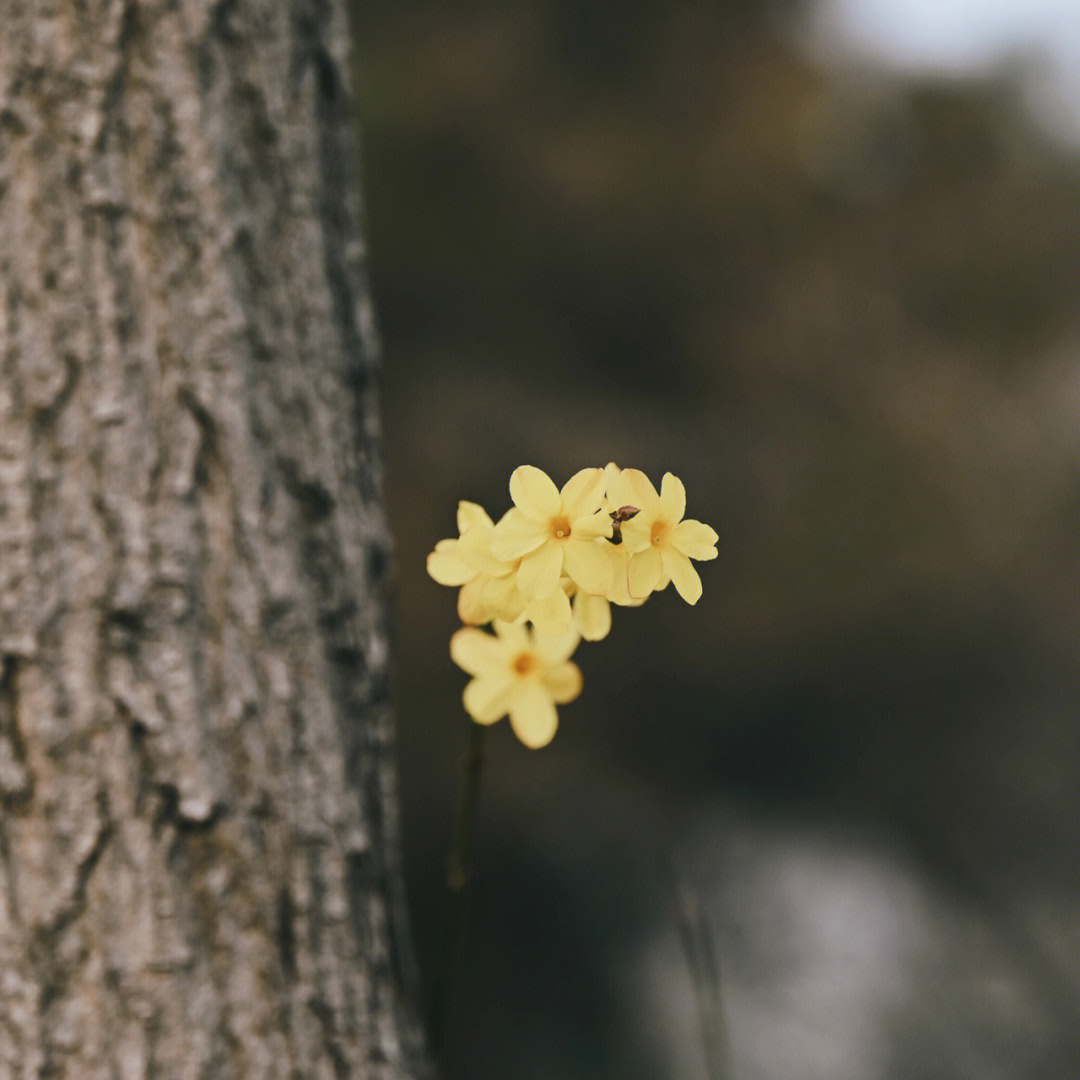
459	870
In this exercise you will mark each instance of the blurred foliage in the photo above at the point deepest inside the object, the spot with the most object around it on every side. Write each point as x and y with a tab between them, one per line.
844	310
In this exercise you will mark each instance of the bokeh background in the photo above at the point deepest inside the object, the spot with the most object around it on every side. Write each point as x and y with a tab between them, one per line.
822	261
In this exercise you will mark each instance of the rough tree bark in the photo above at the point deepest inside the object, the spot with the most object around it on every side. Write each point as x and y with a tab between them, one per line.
198	870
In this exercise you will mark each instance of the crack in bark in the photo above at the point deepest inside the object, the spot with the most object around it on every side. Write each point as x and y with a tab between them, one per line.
112	99
314	500
48	413
16	790
52	973
219	30
208	462
138	732
330	1038
286	933
10	877
84	870
112	531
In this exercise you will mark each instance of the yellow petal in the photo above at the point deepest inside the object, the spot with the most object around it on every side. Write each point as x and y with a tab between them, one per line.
470	514
532	714
516	535
683	575
513	636
695	539
534	493
503	599
556	649
590	564
672	499
487	697
474	547
637	533
583	493
476	652
591	527
633	488
470	604
564	682
539	571
643	572
592	616
446	565
618	593
549	614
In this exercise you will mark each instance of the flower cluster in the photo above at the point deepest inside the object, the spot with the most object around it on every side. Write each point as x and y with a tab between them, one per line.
547	574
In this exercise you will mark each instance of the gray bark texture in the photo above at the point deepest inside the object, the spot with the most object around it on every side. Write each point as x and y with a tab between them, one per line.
198	835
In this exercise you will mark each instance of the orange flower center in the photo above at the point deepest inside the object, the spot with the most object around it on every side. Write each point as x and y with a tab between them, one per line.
560	528
524	663
659	532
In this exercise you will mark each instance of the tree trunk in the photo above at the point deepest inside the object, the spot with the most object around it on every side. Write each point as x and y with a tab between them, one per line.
198	849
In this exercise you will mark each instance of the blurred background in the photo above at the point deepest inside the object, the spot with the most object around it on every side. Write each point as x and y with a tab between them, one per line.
822	261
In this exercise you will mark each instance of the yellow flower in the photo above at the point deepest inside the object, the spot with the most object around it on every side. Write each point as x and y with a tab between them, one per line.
446	564
519	673
553	531
489	586
660	544
468	562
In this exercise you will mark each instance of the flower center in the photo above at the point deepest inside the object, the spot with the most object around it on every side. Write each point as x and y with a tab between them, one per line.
560	528
658	533
525	663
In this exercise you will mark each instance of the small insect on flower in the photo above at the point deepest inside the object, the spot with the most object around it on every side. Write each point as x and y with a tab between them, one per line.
544	578
661	542
618	517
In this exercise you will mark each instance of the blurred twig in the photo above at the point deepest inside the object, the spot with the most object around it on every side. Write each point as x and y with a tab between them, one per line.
459	870
696	938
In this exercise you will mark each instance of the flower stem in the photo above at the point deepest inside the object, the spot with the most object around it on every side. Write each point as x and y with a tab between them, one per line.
459	870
